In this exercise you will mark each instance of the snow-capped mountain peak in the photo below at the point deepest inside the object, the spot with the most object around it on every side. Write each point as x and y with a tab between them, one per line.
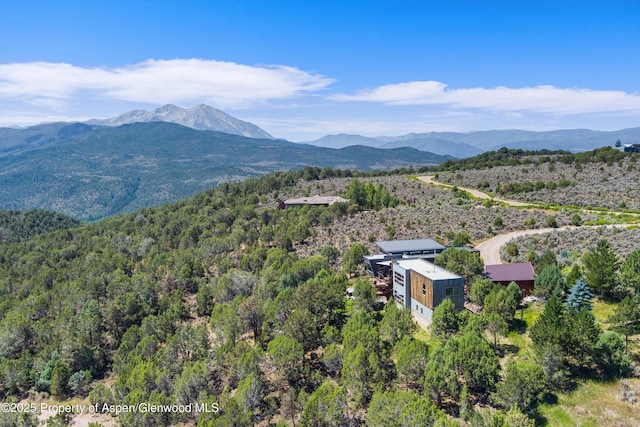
200	117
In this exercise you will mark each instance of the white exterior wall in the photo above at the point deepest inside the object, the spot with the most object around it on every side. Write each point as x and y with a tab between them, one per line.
401	286
421	310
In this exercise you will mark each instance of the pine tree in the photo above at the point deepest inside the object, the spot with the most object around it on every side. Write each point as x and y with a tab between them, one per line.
630	273
626	318
549	282
444	322
601	265
579	296
551	328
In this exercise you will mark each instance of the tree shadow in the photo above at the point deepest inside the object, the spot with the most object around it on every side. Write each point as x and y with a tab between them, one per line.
508	348
519	325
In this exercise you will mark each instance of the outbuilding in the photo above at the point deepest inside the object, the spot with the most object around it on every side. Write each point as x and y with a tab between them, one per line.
520	272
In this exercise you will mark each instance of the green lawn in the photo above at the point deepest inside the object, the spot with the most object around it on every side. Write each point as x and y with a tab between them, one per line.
602	310
593	403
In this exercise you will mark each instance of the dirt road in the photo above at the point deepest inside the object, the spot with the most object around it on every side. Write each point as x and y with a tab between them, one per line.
428	179
490	249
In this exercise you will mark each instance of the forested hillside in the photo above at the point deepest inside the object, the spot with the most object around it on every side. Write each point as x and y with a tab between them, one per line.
21	225
92	172
226	301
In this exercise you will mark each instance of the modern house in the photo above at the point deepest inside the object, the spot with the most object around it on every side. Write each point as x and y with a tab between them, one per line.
421	286
520	272
315	201
631	148
379	265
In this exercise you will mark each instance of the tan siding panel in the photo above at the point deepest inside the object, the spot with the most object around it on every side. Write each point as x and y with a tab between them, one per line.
417	280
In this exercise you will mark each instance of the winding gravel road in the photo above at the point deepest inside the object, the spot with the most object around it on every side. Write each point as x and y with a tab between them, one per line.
490	249
429	179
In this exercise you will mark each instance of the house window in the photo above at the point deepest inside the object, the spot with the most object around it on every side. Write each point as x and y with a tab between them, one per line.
448	292
424	289
421	310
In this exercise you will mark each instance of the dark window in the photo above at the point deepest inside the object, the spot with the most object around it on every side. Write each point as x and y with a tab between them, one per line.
424	289
448	292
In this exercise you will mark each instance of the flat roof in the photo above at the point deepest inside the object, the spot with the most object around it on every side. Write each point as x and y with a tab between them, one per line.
400	246
510	272
375	257
316	200
427	269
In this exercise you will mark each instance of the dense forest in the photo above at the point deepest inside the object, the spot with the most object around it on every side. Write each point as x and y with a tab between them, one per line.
206	301
21	225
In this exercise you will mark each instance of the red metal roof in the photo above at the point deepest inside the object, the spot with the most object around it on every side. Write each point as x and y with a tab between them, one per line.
510	272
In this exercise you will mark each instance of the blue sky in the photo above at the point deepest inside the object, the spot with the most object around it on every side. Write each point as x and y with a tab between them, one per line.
303	69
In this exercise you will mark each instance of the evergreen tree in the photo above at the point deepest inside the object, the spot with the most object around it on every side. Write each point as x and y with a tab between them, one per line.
546	259
365	296
522	387
583	335
353	257
549	282
59	380
502	301
462	262
612	355
549	336
579	296
630	274
400	409
286	354
476	362
574	274
357	193
413	356
480	288
601	264
396	323
440	376
551	328
496	325
361	371
626	318
444	322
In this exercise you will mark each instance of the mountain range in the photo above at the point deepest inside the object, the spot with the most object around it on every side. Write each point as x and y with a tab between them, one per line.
91	172
456	144
200	117
469	144
144	158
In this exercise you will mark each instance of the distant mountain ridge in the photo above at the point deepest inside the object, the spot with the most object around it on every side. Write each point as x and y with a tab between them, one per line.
91	172
469	144
200	117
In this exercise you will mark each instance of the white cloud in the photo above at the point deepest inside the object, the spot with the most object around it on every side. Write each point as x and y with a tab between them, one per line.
295	104
539	99
180	81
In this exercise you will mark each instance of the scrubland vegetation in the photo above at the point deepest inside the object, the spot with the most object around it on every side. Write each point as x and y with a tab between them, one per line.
227	301
608	180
